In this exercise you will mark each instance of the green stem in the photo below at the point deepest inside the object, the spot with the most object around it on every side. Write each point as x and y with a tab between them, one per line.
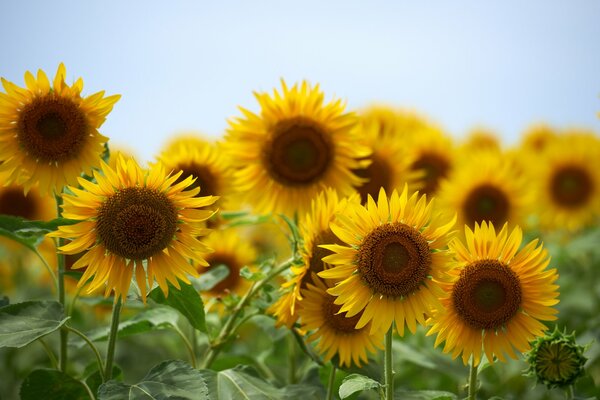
570	393
74	300
213	350
331	382
48	268
89	391
112	339
292	359
388	370
472	381
94	349
188	345
60	258
50	353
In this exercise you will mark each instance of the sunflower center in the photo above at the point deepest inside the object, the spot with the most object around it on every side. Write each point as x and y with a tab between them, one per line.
487	294
230	281
378	175
14	202
52	129
394	260
571	187
299	153
136	223
338	322
315	263
205	179
435	168
486	203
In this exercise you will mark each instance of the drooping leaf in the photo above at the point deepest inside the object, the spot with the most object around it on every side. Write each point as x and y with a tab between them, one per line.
171	379
29	233
22	323
50	384
187	301
238	383
357	383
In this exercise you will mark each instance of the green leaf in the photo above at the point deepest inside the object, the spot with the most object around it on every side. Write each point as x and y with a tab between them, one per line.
246	273
22	323
357	383
238	383
211	278
187	301
424	395
94	380
4	301
29	233
50	384
168	380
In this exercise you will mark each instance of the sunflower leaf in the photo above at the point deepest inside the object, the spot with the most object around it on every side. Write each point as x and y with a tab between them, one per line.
51	384
424	395
29	233
185	300
238	383
23	323
357	383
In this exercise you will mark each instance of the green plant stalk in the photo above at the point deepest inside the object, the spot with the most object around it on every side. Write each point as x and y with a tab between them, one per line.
188	345
570	393
472	381
50	353
213	350
388	370
60	258
88	390
48	268
94	349
331	382
112	339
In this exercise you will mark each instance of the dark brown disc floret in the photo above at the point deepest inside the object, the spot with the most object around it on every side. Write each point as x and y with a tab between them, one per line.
205	178
571	186
14	202
378	175
315	263
338	322
435	167
486	202
137	223
487	294
233	266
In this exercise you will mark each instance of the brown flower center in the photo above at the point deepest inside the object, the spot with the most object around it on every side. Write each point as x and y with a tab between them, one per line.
205	178
52	129
231	281
394	260
136	223
571	186
14	202
435	168
487	294
338	322
486	203
299	152
315	264
379	175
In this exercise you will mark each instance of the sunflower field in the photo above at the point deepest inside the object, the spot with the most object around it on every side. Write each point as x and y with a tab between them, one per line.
312	252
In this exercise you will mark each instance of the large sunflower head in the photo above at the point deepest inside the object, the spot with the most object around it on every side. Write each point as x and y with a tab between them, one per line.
567	183
497	296
49	133
392	262
334	330
135	220
486	188
295	148
315	232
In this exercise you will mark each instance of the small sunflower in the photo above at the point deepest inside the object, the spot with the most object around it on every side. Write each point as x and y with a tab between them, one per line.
32	206
334	330
486	188
315	231
134	220
293	150
392	265
497	296
537	137
482	139
49	134
567	183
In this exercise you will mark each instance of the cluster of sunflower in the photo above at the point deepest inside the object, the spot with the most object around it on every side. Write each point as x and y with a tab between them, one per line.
399	225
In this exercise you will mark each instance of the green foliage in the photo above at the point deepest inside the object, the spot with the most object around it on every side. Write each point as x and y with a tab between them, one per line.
186	300
29	233
423	395
171	379
51	384
358	383
23	323
211	278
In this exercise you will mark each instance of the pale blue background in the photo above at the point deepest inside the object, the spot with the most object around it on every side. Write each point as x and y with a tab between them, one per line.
187	65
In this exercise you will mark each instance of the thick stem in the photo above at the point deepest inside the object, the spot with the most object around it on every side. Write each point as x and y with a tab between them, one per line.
472	381
94	349
112	339
331	382
388	370
60	258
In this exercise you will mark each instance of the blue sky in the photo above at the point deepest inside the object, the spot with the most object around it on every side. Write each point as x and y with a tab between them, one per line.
187	65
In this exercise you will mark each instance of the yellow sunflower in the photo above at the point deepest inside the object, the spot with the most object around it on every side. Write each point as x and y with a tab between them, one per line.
482	139
486	188
335	332
567	182
293	150
32	206
134	220
49	134
393	263
315	231
537	137
497	296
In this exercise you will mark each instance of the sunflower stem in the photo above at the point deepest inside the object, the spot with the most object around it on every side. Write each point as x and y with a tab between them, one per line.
331	382
388	370
94	349
112	339
570	393
188	345
49	352
60	258
472	381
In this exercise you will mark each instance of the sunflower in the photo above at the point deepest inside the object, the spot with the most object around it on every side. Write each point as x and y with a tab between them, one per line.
482	139
497	296
567	182
486	188
392	265
230	250
31	206
201	159
315	231
49	135
134	220
537	137
294	149
334	330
